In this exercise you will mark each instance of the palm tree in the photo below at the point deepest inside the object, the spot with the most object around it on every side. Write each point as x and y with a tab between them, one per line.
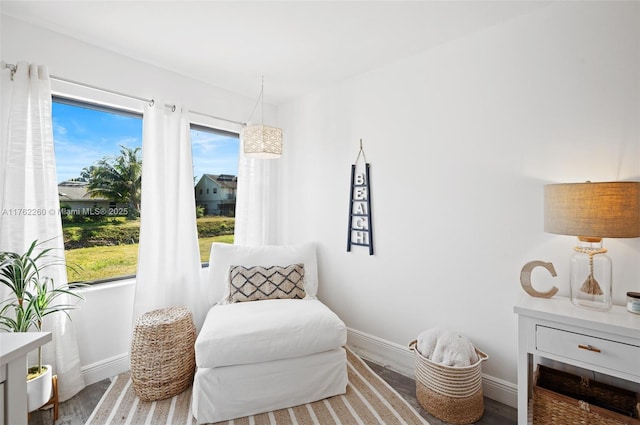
119	179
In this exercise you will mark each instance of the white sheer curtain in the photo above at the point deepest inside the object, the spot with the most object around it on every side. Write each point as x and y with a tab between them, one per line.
169	267
29	204
256	201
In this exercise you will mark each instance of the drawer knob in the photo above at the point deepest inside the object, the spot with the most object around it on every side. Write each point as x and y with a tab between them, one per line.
589	348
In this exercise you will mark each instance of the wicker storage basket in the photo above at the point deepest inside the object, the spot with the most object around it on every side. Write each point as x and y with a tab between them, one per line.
561	398
163	353
452	394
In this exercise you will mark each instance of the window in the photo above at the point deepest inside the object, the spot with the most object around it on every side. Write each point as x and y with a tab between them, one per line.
215	154
101	221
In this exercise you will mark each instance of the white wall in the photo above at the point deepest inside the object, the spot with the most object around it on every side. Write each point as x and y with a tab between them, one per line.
461	140
103	325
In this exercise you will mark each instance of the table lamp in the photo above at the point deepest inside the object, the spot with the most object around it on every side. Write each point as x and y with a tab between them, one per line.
592	211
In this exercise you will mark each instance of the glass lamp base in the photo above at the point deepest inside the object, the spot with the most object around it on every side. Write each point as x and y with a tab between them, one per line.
590	276
600	305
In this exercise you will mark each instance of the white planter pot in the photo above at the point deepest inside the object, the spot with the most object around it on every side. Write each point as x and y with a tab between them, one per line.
39	390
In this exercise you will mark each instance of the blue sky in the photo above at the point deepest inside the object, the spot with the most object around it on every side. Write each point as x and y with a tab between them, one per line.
83	136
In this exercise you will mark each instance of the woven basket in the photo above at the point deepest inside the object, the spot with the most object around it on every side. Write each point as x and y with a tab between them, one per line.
451	394
561	398
163	353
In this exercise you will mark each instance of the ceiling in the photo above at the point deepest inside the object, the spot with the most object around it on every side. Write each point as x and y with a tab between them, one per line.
298	46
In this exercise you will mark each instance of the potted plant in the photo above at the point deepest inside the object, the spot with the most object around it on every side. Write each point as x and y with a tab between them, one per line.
33	297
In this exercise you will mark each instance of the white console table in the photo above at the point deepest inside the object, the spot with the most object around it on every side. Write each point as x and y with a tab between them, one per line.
14	348
603	342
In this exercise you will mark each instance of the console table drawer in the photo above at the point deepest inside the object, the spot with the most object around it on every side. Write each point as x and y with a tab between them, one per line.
596	351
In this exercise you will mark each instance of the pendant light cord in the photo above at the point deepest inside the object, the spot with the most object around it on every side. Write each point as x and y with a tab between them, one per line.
260	97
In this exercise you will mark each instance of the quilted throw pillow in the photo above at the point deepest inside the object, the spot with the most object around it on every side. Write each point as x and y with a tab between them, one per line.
266	283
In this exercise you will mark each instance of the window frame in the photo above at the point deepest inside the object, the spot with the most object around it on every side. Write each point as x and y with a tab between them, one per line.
94	103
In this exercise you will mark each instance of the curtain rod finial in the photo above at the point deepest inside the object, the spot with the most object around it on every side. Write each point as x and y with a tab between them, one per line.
11	67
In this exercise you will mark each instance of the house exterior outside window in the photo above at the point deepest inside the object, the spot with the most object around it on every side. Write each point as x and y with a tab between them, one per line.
220	196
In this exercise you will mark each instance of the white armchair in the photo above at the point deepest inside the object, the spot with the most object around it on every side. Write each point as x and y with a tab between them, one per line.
269	354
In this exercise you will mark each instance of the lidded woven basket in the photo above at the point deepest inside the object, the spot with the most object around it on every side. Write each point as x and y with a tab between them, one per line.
163	353
452	394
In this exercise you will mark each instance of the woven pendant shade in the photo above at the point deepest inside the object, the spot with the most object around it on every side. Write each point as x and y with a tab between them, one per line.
262	141
598	210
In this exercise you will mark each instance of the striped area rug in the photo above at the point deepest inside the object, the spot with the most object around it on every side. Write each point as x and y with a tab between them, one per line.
369	400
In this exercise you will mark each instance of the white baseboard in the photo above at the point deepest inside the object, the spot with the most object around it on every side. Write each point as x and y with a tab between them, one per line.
400	359
106	368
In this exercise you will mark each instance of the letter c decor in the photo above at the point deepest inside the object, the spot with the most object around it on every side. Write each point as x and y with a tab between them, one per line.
525	279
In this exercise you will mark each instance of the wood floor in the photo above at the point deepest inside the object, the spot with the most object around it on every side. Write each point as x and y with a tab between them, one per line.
74	411
78	409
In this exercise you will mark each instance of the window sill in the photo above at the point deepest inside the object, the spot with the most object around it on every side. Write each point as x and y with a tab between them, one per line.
113	283
107	284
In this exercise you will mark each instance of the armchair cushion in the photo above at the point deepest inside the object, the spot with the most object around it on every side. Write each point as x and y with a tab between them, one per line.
225	255
262	331
266	283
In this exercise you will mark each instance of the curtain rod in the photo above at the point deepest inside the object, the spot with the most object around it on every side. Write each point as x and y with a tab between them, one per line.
12	67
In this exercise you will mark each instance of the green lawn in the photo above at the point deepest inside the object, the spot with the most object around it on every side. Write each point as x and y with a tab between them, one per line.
103	262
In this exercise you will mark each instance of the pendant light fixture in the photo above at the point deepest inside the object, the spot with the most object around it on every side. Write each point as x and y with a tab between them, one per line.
262	141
